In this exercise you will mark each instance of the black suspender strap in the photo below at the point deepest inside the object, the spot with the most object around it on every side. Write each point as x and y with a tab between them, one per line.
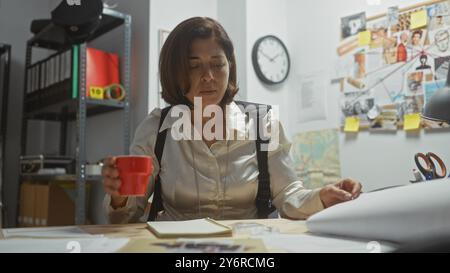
264	196
263	200
157	204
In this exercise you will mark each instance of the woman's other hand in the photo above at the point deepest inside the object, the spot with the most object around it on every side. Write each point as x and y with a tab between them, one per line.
344	190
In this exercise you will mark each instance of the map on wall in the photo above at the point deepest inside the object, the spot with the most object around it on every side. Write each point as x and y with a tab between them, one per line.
390	65
316	157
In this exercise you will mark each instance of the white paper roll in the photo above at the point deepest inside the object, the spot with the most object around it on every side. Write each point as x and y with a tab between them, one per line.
401	214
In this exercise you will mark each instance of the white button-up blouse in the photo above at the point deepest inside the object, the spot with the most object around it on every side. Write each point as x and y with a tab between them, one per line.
220	181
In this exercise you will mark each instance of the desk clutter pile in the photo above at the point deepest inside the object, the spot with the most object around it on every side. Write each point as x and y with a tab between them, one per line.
379	221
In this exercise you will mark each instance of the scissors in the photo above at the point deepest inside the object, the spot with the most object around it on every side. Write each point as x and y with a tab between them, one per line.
429	169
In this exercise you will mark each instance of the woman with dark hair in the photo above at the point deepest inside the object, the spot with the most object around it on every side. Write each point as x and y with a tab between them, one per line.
215	177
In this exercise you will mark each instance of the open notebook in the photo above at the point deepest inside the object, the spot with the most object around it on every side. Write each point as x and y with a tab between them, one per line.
191	228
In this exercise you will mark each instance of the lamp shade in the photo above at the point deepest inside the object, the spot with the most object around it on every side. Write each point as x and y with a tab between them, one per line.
438	107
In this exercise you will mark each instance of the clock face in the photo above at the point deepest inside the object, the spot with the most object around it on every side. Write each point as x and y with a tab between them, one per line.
270	60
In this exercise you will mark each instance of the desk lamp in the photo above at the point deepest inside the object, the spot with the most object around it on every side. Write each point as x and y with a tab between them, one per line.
438	107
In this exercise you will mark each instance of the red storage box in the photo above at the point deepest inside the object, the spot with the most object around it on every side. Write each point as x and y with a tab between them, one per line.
102	69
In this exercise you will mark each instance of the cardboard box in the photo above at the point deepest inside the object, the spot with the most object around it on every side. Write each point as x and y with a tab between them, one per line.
41	205
27	205
49	204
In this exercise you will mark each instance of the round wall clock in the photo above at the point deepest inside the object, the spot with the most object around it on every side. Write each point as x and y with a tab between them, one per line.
270	60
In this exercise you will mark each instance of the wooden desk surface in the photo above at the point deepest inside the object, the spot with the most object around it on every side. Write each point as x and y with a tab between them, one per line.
143	240
140	230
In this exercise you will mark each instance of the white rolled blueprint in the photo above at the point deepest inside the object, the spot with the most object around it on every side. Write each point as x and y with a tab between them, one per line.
401	214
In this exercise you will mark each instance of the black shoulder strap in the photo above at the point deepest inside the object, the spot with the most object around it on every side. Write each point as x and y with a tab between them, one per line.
263	197
157	204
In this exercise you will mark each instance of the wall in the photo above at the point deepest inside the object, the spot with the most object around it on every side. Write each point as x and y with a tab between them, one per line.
15	19
232	14
377	160
266	17
178	10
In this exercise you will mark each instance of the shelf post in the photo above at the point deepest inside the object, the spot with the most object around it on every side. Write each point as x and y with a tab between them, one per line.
127	85
80	204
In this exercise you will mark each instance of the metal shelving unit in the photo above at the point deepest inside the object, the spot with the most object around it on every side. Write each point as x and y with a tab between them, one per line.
66	100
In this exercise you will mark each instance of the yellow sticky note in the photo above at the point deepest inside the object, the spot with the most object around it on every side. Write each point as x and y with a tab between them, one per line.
411	121
364	38
418	19
351	124
96	92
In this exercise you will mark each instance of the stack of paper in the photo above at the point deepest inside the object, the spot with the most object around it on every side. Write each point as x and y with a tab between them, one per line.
191	228
400	214
66	245
48	232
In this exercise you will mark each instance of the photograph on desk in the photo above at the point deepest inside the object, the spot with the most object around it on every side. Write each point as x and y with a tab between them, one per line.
196	246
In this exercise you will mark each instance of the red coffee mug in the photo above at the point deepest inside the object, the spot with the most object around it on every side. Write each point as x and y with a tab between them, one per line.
134	173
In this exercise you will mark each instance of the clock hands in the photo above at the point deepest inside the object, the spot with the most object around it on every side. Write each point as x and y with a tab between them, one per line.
269	58
265	55
276	56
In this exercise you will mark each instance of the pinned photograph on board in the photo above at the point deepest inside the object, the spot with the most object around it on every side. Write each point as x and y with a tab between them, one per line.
360	65
404	22
390	50
402	47
438	21
440	42
423	62
353	24
357	104
379	32
411	105
441	67
378	37
414	84
429	77
386	120
392	16
438	15
418	38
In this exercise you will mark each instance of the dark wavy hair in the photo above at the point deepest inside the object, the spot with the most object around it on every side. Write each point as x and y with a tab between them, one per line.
174	59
